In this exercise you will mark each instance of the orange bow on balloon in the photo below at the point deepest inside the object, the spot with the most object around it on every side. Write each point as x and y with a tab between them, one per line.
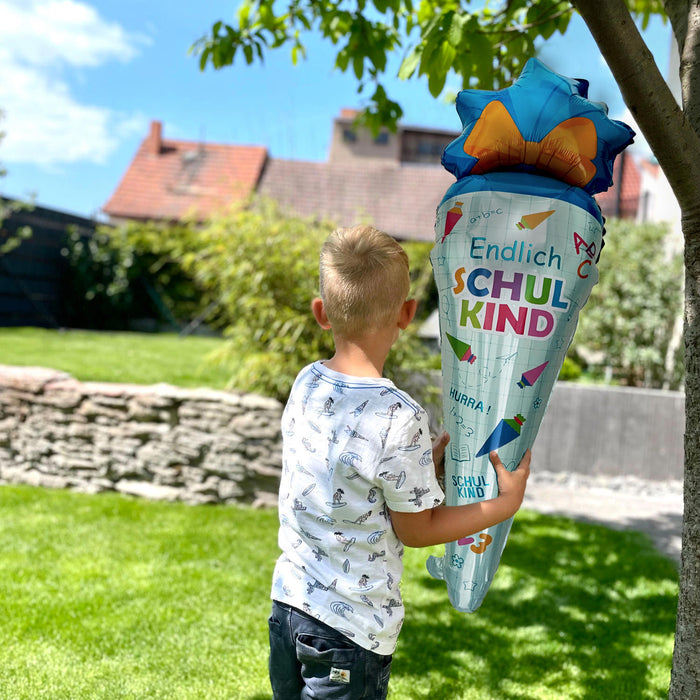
566	152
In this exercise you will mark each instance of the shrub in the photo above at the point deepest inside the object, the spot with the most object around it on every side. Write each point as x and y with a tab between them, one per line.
250	273
629	319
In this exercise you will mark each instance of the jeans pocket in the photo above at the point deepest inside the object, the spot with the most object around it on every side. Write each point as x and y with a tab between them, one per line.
330	666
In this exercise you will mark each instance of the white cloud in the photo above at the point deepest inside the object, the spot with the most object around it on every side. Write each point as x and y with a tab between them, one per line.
44	123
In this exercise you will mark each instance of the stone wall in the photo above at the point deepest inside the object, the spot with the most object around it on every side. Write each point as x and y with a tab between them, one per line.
203	446
162	442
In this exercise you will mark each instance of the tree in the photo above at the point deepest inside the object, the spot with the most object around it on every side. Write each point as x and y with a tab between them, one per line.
630	316
486	47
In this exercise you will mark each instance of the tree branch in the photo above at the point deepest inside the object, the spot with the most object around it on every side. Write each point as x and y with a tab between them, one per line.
537	23
672	138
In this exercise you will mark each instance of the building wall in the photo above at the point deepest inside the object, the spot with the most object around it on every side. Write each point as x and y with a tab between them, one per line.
599	431
348	144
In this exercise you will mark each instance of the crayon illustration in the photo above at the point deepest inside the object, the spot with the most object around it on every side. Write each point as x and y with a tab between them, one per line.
517	238
506	431
532	375
461	349
530	221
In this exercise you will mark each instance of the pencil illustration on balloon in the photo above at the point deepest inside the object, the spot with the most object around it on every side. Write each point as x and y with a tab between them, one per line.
515	259
532	375
461	349
530	221
506	431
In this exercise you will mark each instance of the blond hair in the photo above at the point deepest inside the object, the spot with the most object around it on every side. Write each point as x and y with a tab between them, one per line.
364	279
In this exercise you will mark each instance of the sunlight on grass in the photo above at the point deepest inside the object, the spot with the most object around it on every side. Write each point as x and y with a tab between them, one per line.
132	358
111	597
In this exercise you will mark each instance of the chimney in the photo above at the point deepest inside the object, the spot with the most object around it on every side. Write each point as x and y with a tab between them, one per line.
155	137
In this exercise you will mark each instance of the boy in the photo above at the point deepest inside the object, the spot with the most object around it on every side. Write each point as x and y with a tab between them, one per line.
358	484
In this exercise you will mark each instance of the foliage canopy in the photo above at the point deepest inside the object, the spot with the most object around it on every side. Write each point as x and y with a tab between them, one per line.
486	46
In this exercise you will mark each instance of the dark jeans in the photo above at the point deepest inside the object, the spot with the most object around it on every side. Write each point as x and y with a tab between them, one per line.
311	659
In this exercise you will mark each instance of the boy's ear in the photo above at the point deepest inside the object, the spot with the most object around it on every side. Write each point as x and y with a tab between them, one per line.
408	311
319	312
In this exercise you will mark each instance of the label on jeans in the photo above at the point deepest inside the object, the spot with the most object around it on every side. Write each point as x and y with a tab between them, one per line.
339	675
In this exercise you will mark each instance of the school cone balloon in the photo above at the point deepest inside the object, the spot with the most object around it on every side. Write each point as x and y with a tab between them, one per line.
517	241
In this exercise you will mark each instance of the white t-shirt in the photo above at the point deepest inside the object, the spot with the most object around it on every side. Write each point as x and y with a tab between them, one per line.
352	447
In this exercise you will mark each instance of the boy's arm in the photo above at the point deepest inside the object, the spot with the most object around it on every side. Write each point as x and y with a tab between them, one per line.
449	523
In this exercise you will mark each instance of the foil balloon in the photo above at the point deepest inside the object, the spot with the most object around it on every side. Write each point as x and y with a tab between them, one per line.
517	240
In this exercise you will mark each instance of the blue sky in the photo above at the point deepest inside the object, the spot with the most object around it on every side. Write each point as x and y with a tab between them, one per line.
80	81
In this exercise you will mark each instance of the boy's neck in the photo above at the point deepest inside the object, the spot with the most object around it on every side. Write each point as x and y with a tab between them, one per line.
364	357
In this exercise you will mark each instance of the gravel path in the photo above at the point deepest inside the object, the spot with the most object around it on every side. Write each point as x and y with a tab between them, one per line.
625	503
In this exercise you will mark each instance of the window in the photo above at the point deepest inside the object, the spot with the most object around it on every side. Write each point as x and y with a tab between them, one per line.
382	139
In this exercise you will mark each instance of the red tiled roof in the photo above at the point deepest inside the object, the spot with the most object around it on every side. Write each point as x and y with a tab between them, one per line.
622	199
398	199
169	179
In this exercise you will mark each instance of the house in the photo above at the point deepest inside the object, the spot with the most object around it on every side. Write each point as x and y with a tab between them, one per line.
170	179
393	180
641	192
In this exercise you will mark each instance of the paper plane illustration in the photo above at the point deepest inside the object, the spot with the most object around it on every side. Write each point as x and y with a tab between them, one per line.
506	431
532	375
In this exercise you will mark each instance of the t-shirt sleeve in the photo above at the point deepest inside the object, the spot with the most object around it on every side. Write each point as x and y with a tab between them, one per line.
409	482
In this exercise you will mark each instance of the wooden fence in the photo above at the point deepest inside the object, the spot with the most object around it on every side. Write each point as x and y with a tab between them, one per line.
32	275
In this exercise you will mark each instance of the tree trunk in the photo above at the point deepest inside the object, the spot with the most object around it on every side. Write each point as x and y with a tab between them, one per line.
674	136
685	676
671	132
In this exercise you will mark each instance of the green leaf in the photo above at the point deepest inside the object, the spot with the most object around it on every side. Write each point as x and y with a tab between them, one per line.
204	57
481	51
358	66
301	17
410	63
258	49
436	81
243	15
547	29
342	59
455	32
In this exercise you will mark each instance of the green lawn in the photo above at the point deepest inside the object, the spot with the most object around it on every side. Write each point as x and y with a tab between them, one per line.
111	597
140	358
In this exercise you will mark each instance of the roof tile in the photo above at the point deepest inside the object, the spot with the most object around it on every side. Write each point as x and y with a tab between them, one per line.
185	178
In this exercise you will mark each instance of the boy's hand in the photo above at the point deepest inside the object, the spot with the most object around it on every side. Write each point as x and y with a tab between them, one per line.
439	445
512	484
448	523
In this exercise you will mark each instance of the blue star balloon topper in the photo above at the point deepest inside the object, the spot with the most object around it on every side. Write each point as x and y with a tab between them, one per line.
543	123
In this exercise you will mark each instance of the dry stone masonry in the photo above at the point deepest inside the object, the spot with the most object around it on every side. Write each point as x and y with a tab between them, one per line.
160	442
204	446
